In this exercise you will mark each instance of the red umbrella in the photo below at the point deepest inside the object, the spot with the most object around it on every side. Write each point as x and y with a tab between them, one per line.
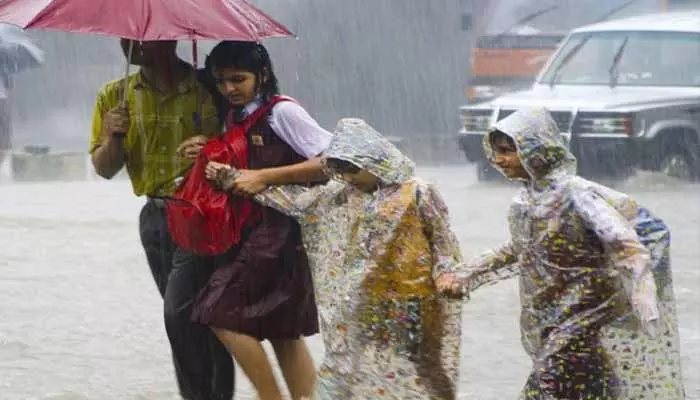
146	19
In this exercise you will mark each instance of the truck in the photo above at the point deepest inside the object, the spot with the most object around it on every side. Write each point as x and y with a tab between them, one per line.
624	93
510	60
507	62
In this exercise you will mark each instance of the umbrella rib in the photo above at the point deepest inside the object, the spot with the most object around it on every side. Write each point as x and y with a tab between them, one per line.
252	25
37	15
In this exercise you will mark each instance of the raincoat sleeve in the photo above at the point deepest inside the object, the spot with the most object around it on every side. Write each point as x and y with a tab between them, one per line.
447	255
625	250
299	201
491	267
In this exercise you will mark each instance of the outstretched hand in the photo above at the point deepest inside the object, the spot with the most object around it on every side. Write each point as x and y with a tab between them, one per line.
249	182
451	285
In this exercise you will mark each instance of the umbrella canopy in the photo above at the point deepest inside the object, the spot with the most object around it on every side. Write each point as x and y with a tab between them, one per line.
146	19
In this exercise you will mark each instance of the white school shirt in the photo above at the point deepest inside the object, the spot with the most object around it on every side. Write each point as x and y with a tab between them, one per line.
296	127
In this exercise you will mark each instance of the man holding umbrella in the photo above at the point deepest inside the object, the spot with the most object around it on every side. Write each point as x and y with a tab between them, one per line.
154	134
151	131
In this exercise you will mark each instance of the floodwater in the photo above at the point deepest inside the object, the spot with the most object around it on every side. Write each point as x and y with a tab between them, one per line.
80	317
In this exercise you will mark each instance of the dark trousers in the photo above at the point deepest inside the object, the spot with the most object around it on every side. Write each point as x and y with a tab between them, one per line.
203	367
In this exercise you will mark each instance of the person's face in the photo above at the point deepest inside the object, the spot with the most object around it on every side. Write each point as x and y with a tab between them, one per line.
238	86
149	52
361	179
353	175
505	156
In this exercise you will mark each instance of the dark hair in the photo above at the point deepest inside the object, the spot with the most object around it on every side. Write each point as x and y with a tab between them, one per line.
341	166
245	56
496	135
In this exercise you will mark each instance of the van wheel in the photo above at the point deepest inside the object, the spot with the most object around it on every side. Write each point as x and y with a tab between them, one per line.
677	163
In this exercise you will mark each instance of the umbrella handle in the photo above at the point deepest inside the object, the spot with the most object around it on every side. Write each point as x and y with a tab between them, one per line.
198	98
125	88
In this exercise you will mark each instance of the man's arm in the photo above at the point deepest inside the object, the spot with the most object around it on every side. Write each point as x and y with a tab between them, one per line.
108	158
107	151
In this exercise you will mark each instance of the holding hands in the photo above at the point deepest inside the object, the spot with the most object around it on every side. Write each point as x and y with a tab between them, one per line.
452	284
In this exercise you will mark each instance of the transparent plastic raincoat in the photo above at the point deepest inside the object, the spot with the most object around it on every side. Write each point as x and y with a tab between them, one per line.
598	313
386	331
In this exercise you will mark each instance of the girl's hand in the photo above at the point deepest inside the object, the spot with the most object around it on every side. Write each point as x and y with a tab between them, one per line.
220	174
451	285
215	171
249	182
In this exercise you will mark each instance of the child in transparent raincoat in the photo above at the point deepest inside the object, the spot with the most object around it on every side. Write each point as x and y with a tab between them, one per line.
598	317
378	239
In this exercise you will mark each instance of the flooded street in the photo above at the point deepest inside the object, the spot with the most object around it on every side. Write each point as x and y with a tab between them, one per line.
81	318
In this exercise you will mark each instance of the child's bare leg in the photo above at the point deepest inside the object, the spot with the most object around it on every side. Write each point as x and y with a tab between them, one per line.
250	355
297	367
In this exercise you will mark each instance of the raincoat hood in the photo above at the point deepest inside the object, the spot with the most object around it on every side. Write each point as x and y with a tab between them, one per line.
539	144
357	142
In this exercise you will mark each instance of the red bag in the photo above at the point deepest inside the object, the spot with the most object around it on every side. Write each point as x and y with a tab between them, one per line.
203	219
